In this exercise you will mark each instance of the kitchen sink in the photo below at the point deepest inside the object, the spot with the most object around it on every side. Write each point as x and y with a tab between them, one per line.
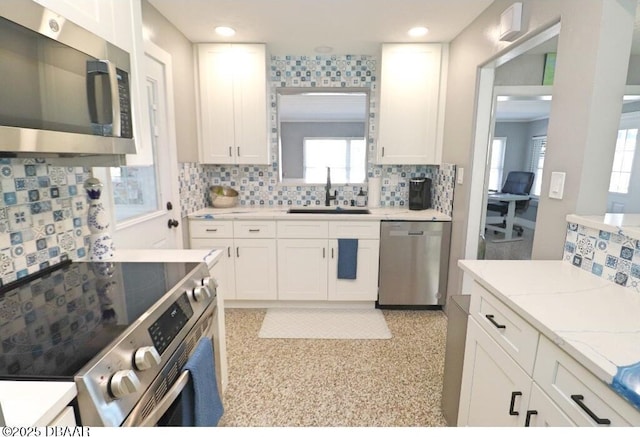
328	210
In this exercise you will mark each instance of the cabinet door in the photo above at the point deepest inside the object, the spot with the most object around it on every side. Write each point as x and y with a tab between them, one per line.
495	390
410	100
302	269
250	104
543	411
224	270
255	265
233	104
215	81
96	16
365	286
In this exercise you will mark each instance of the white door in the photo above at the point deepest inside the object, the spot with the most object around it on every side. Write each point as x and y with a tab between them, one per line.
145	200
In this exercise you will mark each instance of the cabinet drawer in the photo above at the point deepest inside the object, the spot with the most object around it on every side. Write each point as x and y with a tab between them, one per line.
210	229
254	229
359	229
514	334
564	379
303	229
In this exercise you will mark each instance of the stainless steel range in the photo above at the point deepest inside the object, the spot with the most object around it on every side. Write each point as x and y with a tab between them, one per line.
121	331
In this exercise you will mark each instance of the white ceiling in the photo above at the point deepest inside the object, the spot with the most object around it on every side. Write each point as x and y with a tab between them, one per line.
297	27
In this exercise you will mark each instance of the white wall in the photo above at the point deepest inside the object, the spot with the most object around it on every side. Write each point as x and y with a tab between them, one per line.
593	53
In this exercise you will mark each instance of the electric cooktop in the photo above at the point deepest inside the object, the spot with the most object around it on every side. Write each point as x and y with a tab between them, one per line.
56	320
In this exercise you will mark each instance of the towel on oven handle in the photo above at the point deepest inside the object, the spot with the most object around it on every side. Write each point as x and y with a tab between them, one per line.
201	403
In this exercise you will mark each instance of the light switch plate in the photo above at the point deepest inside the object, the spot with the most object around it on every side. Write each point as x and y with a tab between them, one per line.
556	187
460	175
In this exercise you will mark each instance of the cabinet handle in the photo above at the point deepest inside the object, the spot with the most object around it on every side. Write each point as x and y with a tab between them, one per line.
496	324
324	252
238	252
238	151
383	152
228	251
229	151
513	402
527	421
211	230
578	400
332	253
254	230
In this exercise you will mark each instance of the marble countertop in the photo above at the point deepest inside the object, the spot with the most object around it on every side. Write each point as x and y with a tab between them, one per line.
626	224
34	403
280	213
210	257
592	319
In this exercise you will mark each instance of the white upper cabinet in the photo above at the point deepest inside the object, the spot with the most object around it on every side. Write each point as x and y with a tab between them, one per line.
412	91
232	93
96	16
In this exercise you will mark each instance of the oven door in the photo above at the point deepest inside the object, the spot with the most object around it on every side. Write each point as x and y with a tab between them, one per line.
161	404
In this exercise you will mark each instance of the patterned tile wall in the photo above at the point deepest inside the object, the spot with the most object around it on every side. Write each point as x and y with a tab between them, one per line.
612	256
258	185
42	216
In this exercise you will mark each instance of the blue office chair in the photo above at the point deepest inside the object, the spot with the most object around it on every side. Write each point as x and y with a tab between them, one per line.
518	182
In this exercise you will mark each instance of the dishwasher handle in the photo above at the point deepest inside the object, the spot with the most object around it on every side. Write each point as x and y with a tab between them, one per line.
407	233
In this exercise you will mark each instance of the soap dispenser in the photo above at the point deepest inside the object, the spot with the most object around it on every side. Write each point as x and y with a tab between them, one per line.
360	199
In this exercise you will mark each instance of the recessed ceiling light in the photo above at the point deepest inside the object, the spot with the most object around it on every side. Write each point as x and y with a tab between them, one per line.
418	31
225	31
323	49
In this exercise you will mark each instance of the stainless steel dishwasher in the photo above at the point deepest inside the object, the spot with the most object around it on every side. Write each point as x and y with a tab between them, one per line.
414	260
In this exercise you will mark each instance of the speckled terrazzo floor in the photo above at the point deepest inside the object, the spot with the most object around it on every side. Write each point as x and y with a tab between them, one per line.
305	382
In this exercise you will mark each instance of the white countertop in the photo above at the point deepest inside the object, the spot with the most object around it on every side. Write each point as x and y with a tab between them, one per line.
626	224
168	255
34	403
592	319
280	213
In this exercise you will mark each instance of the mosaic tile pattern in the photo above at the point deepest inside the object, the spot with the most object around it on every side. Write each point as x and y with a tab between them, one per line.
44	323
258	185
612	256
43	212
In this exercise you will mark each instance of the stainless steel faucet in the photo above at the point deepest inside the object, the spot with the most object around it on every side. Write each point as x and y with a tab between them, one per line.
327	189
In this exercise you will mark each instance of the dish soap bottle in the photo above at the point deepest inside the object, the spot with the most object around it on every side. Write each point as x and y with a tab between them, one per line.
360	199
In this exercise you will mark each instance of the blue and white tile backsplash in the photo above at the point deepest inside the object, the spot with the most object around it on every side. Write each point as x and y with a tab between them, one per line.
612	256
258	185
43	212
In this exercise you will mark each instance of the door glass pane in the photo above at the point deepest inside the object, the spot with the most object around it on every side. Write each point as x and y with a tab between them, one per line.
135	188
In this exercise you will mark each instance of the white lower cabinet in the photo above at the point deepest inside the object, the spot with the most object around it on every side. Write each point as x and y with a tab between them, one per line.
515	376
289	260
495	389
308	261
247	269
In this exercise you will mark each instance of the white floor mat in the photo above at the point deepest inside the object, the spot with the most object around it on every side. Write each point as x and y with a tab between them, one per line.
324	323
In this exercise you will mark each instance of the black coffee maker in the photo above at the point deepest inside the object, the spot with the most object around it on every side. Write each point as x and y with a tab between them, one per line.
419	193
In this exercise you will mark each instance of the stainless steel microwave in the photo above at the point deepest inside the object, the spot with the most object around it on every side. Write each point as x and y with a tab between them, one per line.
63	90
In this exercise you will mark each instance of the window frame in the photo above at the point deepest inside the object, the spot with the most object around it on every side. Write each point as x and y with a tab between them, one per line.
628	121
500	169
346	160
534	162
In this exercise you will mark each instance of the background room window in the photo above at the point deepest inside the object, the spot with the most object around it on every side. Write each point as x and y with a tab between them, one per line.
538	149
345	156
623	161
496	166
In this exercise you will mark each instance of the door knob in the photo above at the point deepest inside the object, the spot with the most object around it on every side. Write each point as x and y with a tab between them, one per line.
169	206
173	223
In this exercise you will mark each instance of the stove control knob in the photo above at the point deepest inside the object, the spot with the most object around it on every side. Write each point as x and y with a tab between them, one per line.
123	383
209	282
146	357
201	293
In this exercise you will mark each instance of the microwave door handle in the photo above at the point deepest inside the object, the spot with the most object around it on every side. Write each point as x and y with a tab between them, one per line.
101	67
161	407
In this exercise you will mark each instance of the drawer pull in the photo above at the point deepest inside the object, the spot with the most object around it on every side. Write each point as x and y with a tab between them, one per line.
527	422
323	252
513	403
578	400
228	251
237	252
254	230
211	230
493	322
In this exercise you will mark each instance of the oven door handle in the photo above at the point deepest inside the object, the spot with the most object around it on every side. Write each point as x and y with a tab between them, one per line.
166	402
